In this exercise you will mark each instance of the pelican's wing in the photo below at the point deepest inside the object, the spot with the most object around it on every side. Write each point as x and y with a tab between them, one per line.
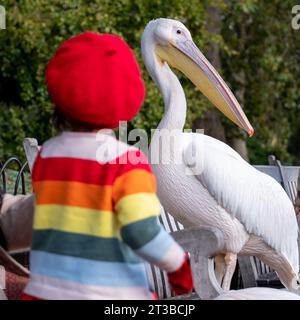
254	198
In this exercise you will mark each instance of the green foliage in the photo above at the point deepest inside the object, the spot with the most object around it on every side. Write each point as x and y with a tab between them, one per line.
35	28
265	64
257	42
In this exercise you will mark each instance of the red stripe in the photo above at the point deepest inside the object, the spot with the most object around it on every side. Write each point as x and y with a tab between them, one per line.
87	171
135	160
25	296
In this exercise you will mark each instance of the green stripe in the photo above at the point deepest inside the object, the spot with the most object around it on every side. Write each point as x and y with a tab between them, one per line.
83	246
139	233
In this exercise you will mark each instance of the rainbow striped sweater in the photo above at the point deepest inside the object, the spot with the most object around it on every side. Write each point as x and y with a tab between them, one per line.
95	221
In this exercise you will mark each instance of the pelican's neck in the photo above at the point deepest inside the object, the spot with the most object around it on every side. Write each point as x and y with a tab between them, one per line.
170	87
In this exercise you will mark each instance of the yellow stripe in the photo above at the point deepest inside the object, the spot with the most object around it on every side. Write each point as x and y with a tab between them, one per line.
77	220
137	207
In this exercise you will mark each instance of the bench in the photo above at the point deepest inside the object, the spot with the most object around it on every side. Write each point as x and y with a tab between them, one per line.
203	243
253	271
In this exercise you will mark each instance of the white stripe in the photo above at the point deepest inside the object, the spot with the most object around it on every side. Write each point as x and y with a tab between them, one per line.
149	251
55	289
85	145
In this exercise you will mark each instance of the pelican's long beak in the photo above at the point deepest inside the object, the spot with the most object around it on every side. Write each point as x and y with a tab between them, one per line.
186	57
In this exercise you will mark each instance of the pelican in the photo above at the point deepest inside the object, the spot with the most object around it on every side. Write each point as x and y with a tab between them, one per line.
216	187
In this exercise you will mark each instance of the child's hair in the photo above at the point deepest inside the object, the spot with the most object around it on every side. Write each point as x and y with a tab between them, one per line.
62	123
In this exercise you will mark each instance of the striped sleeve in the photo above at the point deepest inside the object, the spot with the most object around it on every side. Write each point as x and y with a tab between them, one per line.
137	207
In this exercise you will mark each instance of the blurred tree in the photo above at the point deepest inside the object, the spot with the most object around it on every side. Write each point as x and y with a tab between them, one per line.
35	28
259	60
263	64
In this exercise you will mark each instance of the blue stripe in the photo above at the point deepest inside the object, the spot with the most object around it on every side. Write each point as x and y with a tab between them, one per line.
156	249
89	272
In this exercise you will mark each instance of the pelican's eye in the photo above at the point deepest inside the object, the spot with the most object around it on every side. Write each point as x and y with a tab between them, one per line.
178	31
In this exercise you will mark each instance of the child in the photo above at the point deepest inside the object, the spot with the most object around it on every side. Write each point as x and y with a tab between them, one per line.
96	218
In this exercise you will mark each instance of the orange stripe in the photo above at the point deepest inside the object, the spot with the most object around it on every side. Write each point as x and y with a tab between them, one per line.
74	194
134	181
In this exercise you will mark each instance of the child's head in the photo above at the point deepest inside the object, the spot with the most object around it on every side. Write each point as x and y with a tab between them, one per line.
94	81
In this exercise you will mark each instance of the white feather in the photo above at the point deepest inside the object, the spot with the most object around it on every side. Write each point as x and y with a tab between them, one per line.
251	196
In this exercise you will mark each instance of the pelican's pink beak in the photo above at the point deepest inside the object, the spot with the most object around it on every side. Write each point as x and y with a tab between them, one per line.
186	57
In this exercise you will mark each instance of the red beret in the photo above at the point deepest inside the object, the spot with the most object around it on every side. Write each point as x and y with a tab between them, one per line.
95	79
